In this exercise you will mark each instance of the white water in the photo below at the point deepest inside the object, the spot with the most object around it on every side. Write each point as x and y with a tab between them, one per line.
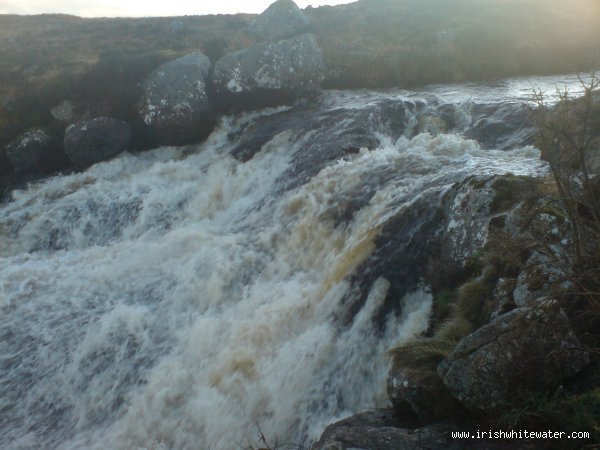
173	298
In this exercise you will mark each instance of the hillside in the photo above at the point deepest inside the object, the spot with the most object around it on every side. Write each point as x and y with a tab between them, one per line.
369	43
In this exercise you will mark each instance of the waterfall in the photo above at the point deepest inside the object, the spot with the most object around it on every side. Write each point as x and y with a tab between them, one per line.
181	297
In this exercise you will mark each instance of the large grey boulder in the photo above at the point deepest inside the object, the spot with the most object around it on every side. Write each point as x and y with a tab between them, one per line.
35	152
269	74
92	141
174	108
530	347
283	19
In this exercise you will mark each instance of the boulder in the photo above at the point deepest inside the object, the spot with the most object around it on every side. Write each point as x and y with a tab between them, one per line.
419	393
174	108
283	19
35	152
269	74
532	348
383	430
64	111
176	26
95	140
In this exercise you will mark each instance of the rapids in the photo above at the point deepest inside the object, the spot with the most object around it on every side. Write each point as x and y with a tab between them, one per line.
183	297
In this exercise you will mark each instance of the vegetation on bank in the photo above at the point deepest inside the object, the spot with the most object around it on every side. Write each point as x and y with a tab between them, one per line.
370	43
466	298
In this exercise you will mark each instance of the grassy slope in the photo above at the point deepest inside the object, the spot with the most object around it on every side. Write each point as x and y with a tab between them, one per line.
408	42
96	62
370	43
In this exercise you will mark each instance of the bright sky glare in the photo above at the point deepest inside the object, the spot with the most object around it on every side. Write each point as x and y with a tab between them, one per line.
136	8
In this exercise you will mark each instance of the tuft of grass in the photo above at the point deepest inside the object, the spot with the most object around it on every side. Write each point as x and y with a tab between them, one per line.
475	302
504	256
425	353
454	329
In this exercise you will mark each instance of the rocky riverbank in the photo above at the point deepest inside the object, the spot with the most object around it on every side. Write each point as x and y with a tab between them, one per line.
501	338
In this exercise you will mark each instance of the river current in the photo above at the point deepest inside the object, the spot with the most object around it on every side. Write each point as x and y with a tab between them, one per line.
182	298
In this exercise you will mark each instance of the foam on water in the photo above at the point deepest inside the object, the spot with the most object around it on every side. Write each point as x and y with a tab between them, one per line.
179	298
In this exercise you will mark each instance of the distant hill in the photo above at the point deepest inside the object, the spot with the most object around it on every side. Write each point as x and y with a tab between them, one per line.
374	43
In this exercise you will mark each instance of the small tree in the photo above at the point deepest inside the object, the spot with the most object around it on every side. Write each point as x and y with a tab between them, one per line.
568	135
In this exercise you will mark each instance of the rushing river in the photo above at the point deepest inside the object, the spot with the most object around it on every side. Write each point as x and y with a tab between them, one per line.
183	297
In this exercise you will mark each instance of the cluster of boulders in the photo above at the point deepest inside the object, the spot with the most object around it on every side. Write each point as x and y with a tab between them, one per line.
180	100
526	344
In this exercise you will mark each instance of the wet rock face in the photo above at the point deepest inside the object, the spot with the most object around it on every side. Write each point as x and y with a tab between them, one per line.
96	140
174	108
35	152
335	129
502	127
468	216
530	347
271	74
283	19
